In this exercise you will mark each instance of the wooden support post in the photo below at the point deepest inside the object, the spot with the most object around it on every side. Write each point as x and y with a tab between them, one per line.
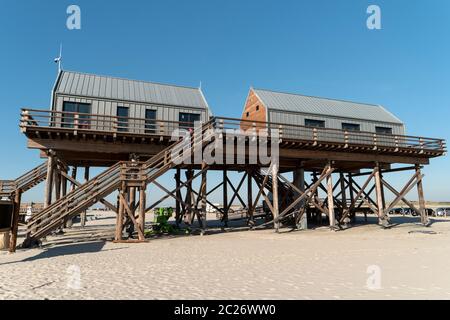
250	210
299	182
49	180
141	219
352	195
69	222
74	178
316	196
203	192
57	182
188	214
343	194
84	213
275	196
119	220
15	221
178	195
225	198
64	184
331	214
422	208
378	189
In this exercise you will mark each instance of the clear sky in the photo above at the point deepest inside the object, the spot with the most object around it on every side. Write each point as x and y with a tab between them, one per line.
315	47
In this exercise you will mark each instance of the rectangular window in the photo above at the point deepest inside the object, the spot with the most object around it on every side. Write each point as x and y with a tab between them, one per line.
383	130
314	123
76	110
187	120
351	127
150	121
122	119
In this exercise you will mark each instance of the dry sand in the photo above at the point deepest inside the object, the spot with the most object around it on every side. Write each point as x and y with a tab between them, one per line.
414	263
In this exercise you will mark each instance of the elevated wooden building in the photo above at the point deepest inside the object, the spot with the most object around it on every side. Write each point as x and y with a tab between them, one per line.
124	125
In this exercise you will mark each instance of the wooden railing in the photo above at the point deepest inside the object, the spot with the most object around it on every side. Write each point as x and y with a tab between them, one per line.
25	181
318	136
82	122
79	122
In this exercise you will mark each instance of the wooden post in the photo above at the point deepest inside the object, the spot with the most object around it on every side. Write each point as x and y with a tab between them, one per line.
352	195
275	196
142	206
203	191
84	213
299	182
64	184
178	194
49	180
189	175
331	214
119	220
74	177
225	198
422	208
15	221
251	222
343	194
69	222
378	189
57	182
316	195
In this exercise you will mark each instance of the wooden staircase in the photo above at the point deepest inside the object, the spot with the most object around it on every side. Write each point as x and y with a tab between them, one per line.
94	190
24	182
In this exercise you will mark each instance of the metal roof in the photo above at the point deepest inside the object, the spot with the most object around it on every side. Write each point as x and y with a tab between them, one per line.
324	106
95	86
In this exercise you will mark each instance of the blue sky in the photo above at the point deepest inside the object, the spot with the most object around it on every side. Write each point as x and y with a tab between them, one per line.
318	48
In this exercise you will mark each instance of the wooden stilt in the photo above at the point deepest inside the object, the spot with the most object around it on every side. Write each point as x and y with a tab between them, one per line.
250	210
352	195
203	193
84	213
142	206
422	208
275	196
299	182
15	222
330	198
120	217
178	216
343	194
49	180
225	198
57	182
188	201
378	188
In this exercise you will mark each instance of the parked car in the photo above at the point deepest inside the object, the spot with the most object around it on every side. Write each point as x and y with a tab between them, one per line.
442	212
402	211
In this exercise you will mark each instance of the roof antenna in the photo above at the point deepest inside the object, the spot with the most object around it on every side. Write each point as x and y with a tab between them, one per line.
58	60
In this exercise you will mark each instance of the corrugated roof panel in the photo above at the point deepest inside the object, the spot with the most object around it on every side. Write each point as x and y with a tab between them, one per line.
74	83
324	106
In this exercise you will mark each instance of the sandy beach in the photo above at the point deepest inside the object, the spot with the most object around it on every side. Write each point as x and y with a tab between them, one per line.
411	261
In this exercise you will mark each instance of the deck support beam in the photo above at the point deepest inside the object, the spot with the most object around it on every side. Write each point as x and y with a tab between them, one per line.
15	221
275	196
49	180
330	197
299	182
423	212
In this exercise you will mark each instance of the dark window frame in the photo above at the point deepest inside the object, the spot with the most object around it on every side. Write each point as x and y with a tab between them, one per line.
68	119
351	126
383	130
150	123
188	124
122	121
314	123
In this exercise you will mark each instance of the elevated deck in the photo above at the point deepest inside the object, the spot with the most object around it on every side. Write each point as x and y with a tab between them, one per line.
99	140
